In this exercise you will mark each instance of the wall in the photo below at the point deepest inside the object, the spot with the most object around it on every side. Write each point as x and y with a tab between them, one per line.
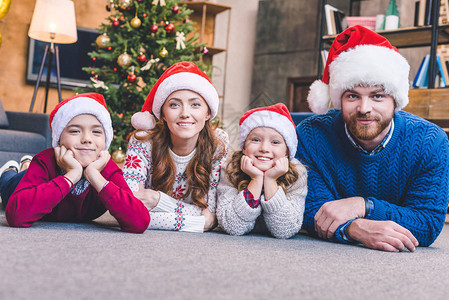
238	64
14	92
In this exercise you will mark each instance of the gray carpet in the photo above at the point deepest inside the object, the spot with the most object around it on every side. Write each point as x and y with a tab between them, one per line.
97	261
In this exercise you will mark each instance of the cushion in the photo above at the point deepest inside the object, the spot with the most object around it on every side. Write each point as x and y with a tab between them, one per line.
3	118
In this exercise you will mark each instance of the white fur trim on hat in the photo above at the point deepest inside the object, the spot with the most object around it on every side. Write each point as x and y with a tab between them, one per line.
372	66
186	81
318	97
274	120
79	106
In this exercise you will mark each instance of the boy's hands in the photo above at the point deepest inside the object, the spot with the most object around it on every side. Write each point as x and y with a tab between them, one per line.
95	167
67	162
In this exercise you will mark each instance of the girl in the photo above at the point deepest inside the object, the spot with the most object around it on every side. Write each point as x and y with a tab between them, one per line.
263	185
76	181
173	165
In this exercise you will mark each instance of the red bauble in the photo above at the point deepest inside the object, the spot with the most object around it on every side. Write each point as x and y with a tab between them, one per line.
122	18
175	9
154	28
170	28
142	57
116	23
132	78
162	22
144	15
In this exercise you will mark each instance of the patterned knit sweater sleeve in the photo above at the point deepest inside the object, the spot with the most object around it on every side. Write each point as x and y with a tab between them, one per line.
283	213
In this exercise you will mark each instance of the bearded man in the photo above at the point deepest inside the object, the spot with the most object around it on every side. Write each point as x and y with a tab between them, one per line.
377	176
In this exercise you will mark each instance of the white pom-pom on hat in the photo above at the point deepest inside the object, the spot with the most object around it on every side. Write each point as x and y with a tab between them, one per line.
143	120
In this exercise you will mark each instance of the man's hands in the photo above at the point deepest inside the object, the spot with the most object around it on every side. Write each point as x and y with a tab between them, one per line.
382	235
335	213
150	198
67	162
211	219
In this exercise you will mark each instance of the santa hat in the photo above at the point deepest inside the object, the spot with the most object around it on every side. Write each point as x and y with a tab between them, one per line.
180	76
359	56
275	116
88	103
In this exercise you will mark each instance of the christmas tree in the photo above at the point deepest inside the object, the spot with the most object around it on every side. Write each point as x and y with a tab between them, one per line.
137	43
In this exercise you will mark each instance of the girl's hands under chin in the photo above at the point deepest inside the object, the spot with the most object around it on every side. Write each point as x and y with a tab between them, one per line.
247	166
280	167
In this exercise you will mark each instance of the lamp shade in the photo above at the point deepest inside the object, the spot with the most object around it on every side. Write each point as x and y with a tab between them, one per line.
54	21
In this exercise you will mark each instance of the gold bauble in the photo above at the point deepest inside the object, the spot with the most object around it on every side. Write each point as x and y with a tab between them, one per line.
124	4
118	156
124	60
103	41
163	53
4	7
135	22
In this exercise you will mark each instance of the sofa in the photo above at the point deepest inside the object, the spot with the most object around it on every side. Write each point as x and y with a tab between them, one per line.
22	133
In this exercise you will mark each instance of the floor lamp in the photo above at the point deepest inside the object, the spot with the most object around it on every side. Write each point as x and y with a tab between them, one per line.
53	22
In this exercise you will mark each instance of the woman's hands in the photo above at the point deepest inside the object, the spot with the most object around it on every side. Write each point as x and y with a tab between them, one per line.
211	219
150	198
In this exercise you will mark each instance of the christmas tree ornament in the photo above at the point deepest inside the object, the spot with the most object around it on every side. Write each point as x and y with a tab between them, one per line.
154	28
94	58
124	4
142	57
176	9
131	78
4	7
162	22
161	2
186	20
180	38
170	28
150	63
122	18
103	41
118	156
98	84
163	53
135	22
92	72
116	22
205	50
109	48
124	60
144	15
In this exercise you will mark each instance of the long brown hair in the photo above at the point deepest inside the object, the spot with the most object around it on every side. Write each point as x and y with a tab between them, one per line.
199	168
240	179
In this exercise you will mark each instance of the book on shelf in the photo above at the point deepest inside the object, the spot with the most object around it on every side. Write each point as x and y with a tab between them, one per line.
422	76
422	72
335	20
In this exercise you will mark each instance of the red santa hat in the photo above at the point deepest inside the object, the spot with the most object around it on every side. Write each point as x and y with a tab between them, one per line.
359	56
88	103
180	76
275	116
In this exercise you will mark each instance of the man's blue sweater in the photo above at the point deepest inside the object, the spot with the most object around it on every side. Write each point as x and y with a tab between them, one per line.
408	181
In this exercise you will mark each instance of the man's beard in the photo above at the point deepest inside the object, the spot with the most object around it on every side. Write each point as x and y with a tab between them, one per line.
366	132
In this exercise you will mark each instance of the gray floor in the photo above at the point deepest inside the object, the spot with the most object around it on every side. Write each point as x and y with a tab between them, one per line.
96	261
